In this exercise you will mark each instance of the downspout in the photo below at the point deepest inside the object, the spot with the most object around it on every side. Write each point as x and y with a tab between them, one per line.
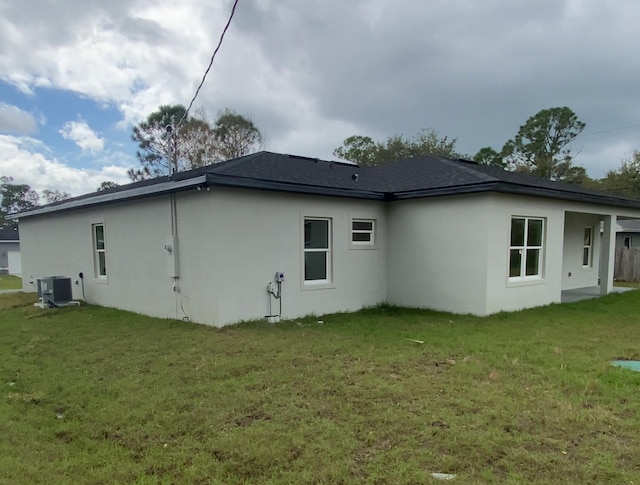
173	246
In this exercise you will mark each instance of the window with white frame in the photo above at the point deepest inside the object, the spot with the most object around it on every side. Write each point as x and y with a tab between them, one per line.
363	232
526	250
317	250
587	248
99	251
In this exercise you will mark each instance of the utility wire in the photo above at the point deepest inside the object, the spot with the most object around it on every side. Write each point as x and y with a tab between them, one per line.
224	31
607	131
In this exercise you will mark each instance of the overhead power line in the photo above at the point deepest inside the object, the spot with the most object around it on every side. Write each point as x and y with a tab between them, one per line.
213	56
608	131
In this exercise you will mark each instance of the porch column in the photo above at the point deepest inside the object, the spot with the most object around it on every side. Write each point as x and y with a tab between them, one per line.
608	248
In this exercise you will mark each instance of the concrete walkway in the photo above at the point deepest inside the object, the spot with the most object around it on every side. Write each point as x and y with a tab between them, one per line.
579	294
9	291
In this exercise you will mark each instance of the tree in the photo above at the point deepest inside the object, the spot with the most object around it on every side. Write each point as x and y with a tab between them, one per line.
625	180
363	150
106	185
164	147
235	135
358	149
540	146
488	156
15	198
51	196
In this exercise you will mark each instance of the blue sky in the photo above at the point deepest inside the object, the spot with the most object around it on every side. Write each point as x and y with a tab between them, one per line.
52	108
77	74
74	133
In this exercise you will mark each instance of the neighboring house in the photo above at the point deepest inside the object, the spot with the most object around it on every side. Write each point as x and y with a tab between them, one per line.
425	232
627	257
628	233
10	250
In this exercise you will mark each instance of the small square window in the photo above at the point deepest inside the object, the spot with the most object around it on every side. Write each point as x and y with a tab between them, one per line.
363	232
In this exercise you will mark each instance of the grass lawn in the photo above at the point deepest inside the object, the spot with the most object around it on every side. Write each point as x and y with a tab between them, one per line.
95	395
10	282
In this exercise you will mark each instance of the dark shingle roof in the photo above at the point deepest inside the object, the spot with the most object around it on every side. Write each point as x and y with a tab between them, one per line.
425	176
432	176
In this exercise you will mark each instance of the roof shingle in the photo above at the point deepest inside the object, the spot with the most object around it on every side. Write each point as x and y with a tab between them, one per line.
424	176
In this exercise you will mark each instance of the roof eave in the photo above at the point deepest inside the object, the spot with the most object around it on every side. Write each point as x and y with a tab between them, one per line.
518	189
99	199
601	199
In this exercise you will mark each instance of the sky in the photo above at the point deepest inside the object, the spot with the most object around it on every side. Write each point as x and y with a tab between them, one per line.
76	75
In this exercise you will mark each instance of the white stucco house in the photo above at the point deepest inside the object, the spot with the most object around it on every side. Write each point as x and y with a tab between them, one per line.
425	232
10	261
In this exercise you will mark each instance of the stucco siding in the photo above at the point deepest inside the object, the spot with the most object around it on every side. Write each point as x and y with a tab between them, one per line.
447	253
230	244
507	294
438	253
136	280
562	219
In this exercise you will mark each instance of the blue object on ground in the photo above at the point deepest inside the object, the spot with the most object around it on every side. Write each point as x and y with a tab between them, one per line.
627	364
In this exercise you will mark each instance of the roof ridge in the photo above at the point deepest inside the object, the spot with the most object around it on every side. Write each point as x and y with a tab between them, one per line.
222	167
468	168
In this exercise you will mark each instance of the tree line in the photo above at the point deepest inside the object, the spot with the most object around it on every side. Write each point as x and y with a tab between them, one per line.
168	140
21	197
171	140
540	147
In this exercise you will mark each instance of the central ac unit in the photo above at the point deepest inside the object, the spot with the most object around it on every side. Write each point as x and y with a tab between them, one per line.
54	290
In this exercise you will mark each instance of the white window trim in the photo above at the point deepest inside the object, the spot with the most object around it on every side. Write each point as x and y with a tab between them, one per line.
328	281
373	243
97	277
523	278
589	264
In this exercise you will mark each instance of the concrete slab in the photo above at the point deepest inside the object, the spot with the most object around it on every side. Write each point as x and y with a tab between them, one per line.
579	294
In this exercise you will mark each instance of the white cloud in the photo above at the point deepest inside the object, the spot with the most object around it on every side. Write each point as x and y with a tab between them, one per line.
312	75
130	54
83	136
29	161
15	120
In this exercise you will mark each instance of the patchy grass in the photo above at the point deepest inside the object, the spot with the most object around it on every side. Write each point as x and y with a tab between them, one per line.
95	395
10	282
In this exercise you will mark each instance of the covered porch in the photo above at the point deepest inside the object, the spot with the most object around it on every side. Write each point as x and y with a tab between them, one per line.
588	259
